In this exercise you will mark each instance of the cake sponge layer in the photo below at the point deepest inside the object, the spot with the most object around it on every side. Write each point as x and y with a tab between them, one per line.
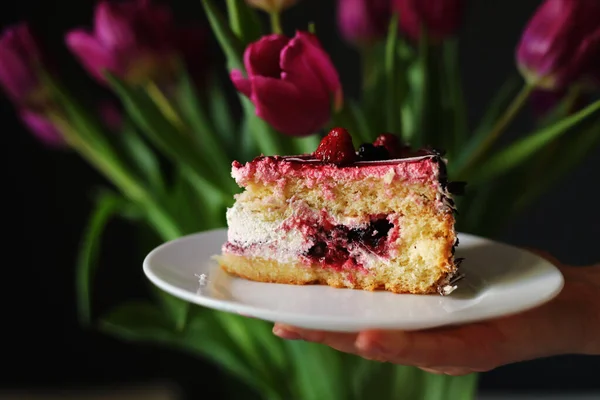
394	280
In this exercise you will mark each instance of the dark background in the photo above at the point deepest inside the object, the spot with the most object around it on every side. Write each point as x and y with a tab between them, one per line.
48	203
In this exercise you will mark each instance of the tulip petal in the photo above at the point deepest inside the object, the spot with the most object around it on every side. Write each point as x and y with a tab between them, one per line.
240	82
262	57
287	107
16	76
42	128
95	58
18	55
363	21
113	25
309	67
587	57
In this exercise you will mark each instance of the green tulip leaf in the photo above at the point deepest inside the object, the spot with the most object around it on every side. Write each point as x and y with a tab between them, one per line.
453	96
519	151
244	21
208	334
366	377
346	119
305	145
318	371
268	141
501	101
142	157
566	156
220	115
107	206
434	386
461	387
176	310
393	71
209	146
427	89
174	142
229	42
139	321
248	335
408	382
360	122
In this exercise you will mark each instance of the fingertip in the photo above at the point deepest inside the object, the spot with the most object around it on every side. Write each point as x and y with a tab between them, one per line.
286	332
395	344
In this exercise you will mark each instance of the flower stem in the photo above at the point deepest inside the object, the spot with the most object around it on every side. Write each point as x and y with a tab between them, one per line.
276	22
503	122
111	168
164	105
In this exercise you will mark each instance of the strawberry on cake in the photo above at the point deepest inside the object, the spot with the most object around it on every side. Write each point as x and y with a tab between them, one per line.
380	218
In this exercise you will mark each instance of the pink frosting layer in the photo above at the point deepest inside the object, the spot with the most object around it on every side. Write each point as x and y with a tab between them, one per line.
275	169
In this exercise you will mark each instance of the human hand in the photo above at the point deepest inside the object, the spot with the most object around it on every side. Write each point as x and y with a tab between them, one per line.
568	324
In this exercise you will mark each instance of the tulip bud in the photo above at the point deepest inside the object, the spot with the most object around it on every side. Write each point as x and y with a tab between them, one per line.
363	21
543	102
291	82
272	6
440	18
559	43
20	64
134	40
42	128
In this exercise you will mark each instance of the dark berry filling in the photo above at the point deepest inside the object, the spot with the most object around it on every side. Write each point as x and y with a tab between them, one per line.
332	246
370	152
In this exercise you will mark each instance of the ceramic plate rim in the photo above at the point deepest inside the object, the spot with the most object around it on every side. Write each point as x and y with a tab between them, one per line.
270	315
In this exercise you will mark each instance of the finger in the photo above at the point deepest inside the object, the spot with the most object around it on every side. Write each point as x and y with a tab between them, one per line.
338	340
452	371
471	346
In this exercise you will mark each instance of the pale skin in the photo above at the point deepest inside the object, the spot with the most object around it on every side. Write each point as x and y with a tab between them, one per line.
568	324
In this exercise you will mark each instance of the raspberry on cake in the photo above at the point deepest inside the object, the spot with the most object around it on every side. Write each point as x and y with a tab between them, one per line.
380	218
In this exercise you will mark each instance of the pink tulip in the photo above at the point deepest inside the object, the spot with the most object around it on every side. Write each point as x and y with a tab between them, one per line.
363	21
42	128
543	102
19	63
291	82
560	43
134	40
440	18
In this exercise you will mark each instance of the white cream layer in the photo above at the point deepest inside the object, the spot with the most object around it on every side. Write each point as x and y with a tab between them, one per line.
268	239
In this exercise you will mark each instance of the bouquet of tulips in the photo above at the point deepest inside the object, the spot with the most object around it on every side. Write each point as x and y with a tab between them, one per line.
167	145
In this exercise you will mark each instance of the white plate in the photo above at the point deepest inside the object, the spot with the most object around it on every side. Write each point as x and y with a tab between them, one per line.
500	280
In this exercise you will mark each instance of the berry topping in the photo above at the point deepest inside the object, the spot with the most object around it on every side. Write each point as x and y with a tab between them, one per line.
368	152
393	145
336	148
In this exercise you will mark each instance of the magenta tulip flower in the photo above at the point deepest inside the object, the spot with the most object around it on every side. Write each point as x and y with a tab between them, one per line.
20	62
560	43
363	21
440	18
291	82
545	101
42	128
133	40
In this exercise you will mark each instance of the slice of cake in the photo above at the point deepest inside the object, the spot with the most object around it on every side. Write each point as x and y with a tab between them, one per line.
377	218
